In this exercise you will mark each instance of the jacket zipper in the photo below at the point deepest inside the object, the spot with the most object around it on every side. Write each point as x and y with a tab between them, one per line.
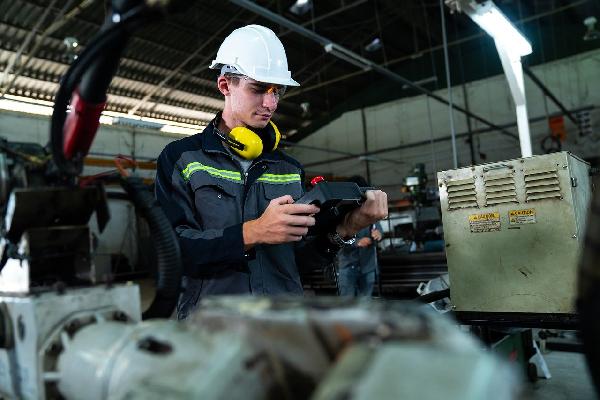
245	192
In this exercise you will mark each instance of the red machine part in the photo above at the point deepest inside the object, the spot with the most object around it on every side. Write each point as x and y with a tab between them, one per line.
81	126
316	180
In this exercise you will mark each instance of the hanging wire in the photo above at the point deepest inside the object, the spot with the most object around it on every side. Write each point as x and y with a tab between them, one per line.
539	32
463	80
450	101
433	157
434	73
385	59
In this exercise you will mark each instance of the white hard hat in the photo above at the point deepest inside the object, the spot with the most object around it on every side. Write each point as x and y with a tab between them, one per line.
255	51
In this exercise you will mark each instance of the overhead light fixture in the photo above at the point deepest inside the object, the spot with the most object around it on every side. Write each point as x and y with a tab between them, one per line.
374	45
348	56
511	46
71	43
368	158
498	26
25	105
137	123
180	130
28	105
592	33
301	7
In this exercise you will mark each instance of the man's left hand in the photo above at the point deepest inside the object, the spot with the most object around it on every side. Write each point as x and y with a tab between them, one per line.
374	209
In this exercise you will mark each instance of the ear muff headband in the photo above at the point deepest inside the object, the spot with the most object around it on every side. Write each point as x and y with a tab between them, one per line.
277	135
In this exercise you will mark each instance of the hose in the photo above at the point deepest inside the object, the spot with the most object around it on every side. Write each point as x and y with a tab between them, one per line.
165	242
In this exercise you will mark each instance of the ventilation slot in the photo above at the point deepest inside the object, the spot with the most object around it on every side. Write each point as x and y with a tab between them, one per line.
541	185
461	194
500	189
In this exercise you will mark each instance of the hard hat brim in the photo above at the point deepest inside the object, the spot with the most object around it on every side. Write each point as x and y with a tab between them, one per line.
283	81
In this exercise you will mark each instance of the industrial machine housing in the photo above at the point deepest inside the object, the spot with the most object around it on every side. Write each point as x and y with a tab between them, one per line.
514	232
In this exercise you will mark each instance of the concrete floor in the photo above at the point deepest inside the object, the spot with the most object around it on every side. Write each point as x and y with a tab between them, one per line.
570	379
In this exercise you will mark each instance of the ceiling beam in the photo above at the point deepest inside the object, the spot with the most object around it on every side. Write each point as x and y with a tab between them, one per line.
185	77
432	49
327	15
363	61
24	46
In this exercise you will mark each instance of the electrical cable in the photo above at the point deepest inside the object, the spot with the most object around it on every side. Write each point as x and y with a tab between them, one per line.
449	84
433	73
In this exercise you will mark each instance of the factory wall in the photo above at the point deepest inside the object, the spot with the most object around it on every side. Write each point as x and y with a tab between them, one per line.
574	80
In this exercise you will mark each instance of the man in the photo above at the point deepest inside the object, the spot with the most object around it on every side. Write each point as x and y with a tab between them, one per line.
357	263
229	193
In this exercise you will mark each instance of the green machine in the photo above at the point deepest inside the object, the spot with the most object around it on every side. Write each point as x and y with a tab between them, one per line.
514	231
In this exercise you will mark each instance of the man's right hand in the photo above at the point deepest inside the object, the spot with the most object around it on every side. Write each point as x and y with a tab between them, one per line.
282	222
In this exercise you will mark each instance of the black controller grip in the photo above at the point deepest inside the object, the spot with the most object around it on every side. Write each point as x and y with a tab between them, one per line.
335	199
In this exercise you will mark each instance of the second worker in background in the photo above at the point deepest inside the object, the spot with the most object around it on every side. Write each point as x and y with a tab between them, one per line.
357	263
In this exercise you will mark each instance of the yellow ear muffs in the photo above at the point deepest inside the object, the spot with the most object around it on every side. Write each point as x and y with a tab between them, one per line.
253	145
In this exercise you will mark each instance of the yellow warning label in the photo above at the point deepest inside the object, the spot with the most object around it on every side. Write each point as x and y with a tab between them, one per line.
518	217
486	222
484	217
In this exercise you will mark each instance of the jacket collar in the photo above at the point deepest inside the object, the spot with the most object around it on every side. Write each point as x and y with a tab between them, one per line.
211	143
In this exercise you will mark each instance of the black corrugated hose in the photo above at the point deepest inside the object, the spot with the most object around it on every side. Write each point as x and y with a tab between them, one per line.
589	291
165	242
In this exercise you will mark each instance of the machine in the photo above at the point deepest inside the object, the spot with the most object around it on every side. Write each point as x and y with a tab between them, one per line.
414	223
514	234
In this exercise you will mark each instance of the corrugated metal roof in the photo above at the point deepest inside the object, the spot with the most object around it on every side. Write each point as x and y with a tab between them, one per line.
407	29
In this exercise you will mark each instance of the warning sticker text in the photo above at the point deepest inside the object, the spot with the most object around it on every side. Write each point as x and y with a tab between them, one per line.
487	222
518	217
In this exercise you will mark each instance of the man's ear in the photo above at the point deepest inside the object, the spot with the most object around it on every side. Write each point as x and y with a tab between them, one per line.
223	85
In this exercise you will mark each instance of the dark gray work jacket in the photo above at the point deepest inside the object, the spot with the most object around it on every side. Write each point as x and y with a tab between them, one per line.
207	197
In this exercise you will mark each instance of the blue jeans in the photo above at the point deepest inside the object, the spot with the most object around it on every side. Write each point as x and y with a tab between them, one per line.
352	282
